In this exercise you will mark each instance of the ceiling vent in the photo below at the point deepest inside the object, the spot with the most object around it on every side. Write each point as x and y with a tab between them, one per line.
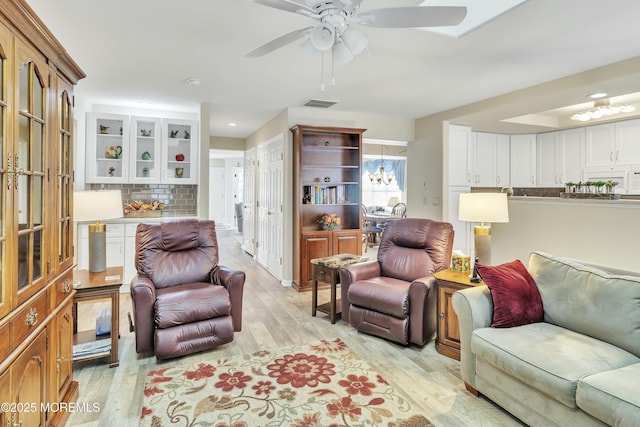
320	103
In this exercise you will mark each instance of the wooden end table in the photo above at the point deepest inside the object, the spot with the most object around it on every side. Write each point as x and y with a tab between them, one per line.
448	338
326	270
98	286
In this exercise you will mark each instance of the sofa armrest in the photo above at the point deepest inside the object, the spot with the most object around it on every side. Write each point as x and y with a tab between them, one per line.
474	308
143	298
352	273
233	281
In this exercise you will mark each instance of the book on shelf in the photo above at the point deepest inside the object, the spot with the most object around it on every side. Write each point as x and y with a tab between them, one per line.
324	195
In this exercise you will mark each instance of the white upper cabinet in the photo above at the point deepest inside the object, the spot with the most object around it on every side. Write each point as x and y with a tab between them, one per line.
459	155
627	142
123	149
503	154
613	144
180	151
523	160
107	157
145	150
559	157
483	159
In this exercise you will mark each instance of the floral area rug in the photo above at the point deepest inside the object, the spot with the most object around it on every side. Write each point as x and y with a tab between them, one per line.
318	385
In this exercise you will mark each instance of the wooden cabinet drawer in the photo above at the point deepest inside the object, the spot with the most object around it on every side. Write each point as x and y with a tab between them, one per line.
27	319
4	338
63	287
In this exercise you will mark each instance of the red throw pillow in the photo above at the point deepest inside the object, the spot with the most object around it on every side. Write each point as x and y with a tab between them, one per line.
516	299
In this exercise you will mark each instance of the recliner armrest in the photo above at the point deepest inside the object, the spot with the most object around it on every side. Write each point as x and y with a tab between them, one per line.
474	308
233	281
143	298
352	273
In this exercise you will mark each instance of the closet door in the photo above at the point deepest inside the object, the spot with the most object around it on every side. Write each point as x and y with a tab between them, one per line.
248	214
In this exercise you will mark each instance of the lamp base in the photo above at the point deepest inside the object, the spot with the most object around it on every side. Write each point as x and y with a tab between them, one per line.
97	249
482	242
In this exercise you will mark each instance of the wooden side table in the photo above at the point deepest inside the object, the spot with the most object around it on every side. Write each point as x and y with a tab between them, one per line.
326	270
448	338
98	286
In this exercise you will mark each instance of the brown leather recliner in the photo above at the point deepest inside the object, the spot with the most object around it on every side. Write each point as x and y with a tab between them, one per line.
394	297
183	301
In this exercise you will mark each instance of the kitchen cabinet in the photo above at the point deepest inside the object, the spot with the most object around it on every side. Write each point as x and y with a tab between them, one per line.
180	149
613	144
459	155
462	240
523	160
503	154
145	150
478	159
560	157
107	150
134	149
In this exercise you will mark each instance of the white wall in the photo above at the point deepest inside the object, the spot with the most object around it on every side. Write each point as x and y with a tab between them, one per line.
598	231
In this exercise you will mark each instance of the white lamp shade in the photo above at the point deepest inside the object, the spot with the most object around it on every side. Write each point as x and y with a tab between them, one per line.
97	205
483	207
355	40
322	37
341	53
393	201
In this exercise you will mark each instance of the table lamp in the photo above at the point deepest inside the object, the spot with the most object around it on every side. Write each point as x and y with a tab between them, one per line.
95	206
393	201
483	208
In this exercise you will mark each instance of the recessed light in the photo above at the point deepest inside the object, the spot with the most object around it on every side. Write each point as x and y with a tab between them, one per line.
597	95
194	81
232	125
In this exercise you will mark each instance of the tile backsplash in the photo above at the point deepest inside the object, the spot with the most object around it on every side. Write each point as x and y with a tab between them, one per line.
179	200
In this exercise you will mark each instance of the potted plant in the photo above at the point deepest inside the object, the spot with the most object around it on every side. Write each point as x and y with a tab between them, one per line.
598	186
609	185
570	187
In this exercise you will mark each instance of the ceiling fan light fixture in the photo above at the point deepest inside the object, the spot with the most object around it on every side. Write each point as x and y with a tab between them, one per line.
355	40
322	37
341	53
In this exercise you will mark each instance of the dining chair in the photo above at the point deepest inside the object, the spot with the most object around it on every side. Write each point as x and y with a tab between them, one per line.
370	232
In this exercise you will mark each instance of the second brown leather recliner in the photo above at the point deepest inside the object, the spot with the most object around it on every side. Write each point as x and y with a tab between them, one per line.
394	297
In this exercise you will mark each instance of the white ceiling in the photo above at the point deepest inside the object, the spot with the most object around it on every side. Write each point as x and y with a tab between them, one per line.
145	50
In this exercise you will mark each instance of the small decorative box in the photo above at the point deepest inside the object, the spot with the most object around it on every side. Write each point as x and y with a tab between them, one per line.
461	263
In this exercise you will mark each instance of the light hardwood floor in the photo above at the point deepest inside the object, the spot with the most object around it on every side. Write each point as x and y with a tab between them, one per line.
276	316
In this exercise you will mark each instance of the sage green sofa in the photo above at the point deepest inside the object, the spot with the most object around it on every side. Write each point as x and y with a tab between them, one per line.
580	366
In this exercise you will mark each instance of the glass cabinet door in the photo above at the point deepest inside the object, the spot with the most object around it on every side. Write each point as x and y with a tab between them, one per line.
5	179
28	159
180	151
145	149
64	182
107	148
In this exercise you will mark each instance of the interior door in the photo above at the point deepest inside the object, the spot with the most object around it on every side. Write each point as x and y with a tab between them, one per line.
275	203
248	214
263	200
217	200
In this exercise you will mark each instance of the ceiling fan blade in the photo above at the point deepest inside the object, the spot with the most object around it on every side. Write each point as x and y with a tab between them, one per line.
279	42
413	17
287	5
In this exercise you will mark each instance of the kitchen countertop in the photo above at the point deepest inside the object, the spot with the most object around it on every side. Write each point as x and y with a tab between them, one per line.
630	203
125	220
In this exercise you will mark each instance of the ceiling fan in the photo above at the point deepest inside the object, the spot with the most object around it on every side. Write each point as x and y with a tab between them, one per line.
334	32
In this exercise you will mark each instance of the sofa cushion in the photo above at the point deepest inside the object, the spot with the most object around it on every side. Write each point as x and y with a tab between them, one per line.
516	300
549	358
179	305
612	396
588	300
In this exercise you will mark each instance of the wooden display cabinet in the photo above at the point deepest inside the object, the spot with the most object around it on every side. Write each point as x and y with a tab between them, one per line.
327	175
36	239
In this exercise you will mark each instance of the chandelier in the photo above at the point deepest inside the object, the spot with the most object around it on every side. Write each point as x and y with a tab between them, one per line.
600	110
380	176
